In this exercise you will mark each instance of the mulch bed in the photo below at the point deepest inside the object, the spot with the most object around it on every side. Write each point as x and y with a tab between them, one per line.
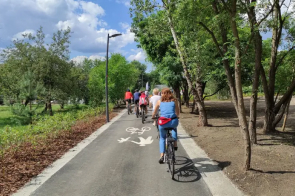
273	159
19	166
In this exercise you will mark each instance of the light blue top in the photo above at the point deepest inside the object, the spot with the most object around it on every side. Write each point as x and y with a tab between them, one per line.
168	109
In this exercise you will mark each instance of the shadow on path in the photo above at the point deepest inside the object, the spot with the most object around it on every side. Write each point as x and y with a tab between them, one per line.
187	171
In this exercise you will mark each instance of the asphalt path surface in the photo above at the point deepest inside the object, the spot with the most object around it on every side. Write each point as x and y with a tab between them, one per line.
123	160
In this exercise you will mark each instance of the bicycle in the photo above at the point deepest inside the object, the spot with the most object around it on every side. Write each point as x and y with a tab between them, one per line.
129	108
137	110
169	155
142	113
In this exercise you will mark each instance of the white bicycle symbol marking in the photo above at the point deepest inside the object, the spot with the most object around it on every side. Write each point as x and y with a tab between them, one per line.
134	130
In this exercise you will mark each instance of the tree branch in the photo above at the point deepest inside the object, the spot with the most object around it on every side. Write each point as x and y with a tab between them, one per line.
248	45
213	37
226	7
285	97
270	11
283	57
214	92
279	117
277	95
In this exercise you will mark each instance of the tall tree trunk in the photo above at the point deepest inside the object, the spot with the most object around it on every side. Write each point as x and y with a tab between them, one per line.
253	108
258	58
288	105
178	96
49	107
46	107
62	105
226	63
202	112
286	116
201	88
185	94
238	80
193	107
270	113
27	101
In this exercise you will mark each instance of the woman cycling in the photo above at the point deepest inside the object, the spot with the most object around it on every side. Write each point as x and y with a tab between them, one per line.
169	110
143	102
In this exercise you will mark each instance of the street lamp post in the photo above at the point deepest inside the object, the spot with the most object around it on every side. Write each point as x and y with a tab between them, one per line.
106	78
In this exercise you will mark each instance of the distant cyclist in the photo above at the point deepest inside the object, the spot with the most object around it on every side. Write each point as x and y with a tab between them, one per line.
143	101
153	101
136	96
128	97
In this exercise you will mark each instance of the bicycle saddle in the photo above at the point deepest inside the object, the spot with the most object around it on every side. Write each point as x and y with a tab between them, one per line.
169	128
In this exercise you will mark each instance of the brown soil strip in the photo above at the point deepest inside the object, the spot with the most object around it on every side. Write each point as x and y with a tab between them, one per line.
21	165
273	159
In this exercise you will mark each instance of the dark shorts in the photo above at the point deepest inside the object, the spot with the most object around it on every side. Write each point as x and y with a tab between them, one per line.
136	101
129	100
143	106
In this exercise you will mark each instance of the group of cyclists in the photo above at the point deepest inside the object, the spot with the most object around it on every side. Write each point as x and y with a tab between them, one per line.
167	118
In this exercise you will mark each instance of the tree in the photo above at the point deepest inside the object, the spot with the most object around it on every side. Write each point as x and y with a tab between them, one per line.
142	9
142	76
30	67
154	78
122	75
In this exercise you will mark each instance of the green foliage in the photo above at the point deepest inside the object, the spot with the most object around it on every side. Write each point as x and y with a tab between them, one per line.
44	126
34	71
121	75
143	77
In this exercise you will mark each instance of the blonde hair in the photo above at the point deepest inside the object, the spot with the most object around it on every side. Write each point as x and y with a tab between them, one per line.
156	91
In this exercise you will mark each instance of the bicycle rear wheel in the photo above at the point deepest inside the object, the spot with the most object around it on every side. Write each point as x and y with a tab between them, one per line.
137	112
142	115
170	161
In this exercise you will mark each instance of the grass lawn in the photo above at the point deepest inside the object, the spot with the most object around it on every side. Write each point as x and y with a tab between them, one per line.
7	118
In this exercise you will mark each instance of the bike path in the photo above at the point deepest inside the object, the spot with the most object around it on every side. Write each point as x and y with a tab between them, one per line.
123	163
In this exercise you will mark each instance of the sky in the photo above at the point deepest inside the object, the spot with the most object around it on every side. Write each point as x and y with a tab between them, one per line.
90	22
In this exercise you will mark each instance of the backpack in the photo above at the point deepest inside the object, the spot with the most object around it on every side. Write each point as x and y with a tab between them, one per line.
142	100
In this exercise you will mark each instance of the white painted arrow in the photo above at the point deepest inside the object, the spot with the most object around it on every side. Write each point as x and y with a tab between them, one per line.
143	141
123	140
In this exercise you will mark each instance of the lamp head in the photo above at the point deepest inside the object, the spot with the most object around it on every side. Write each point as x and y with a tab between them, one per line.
115	35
